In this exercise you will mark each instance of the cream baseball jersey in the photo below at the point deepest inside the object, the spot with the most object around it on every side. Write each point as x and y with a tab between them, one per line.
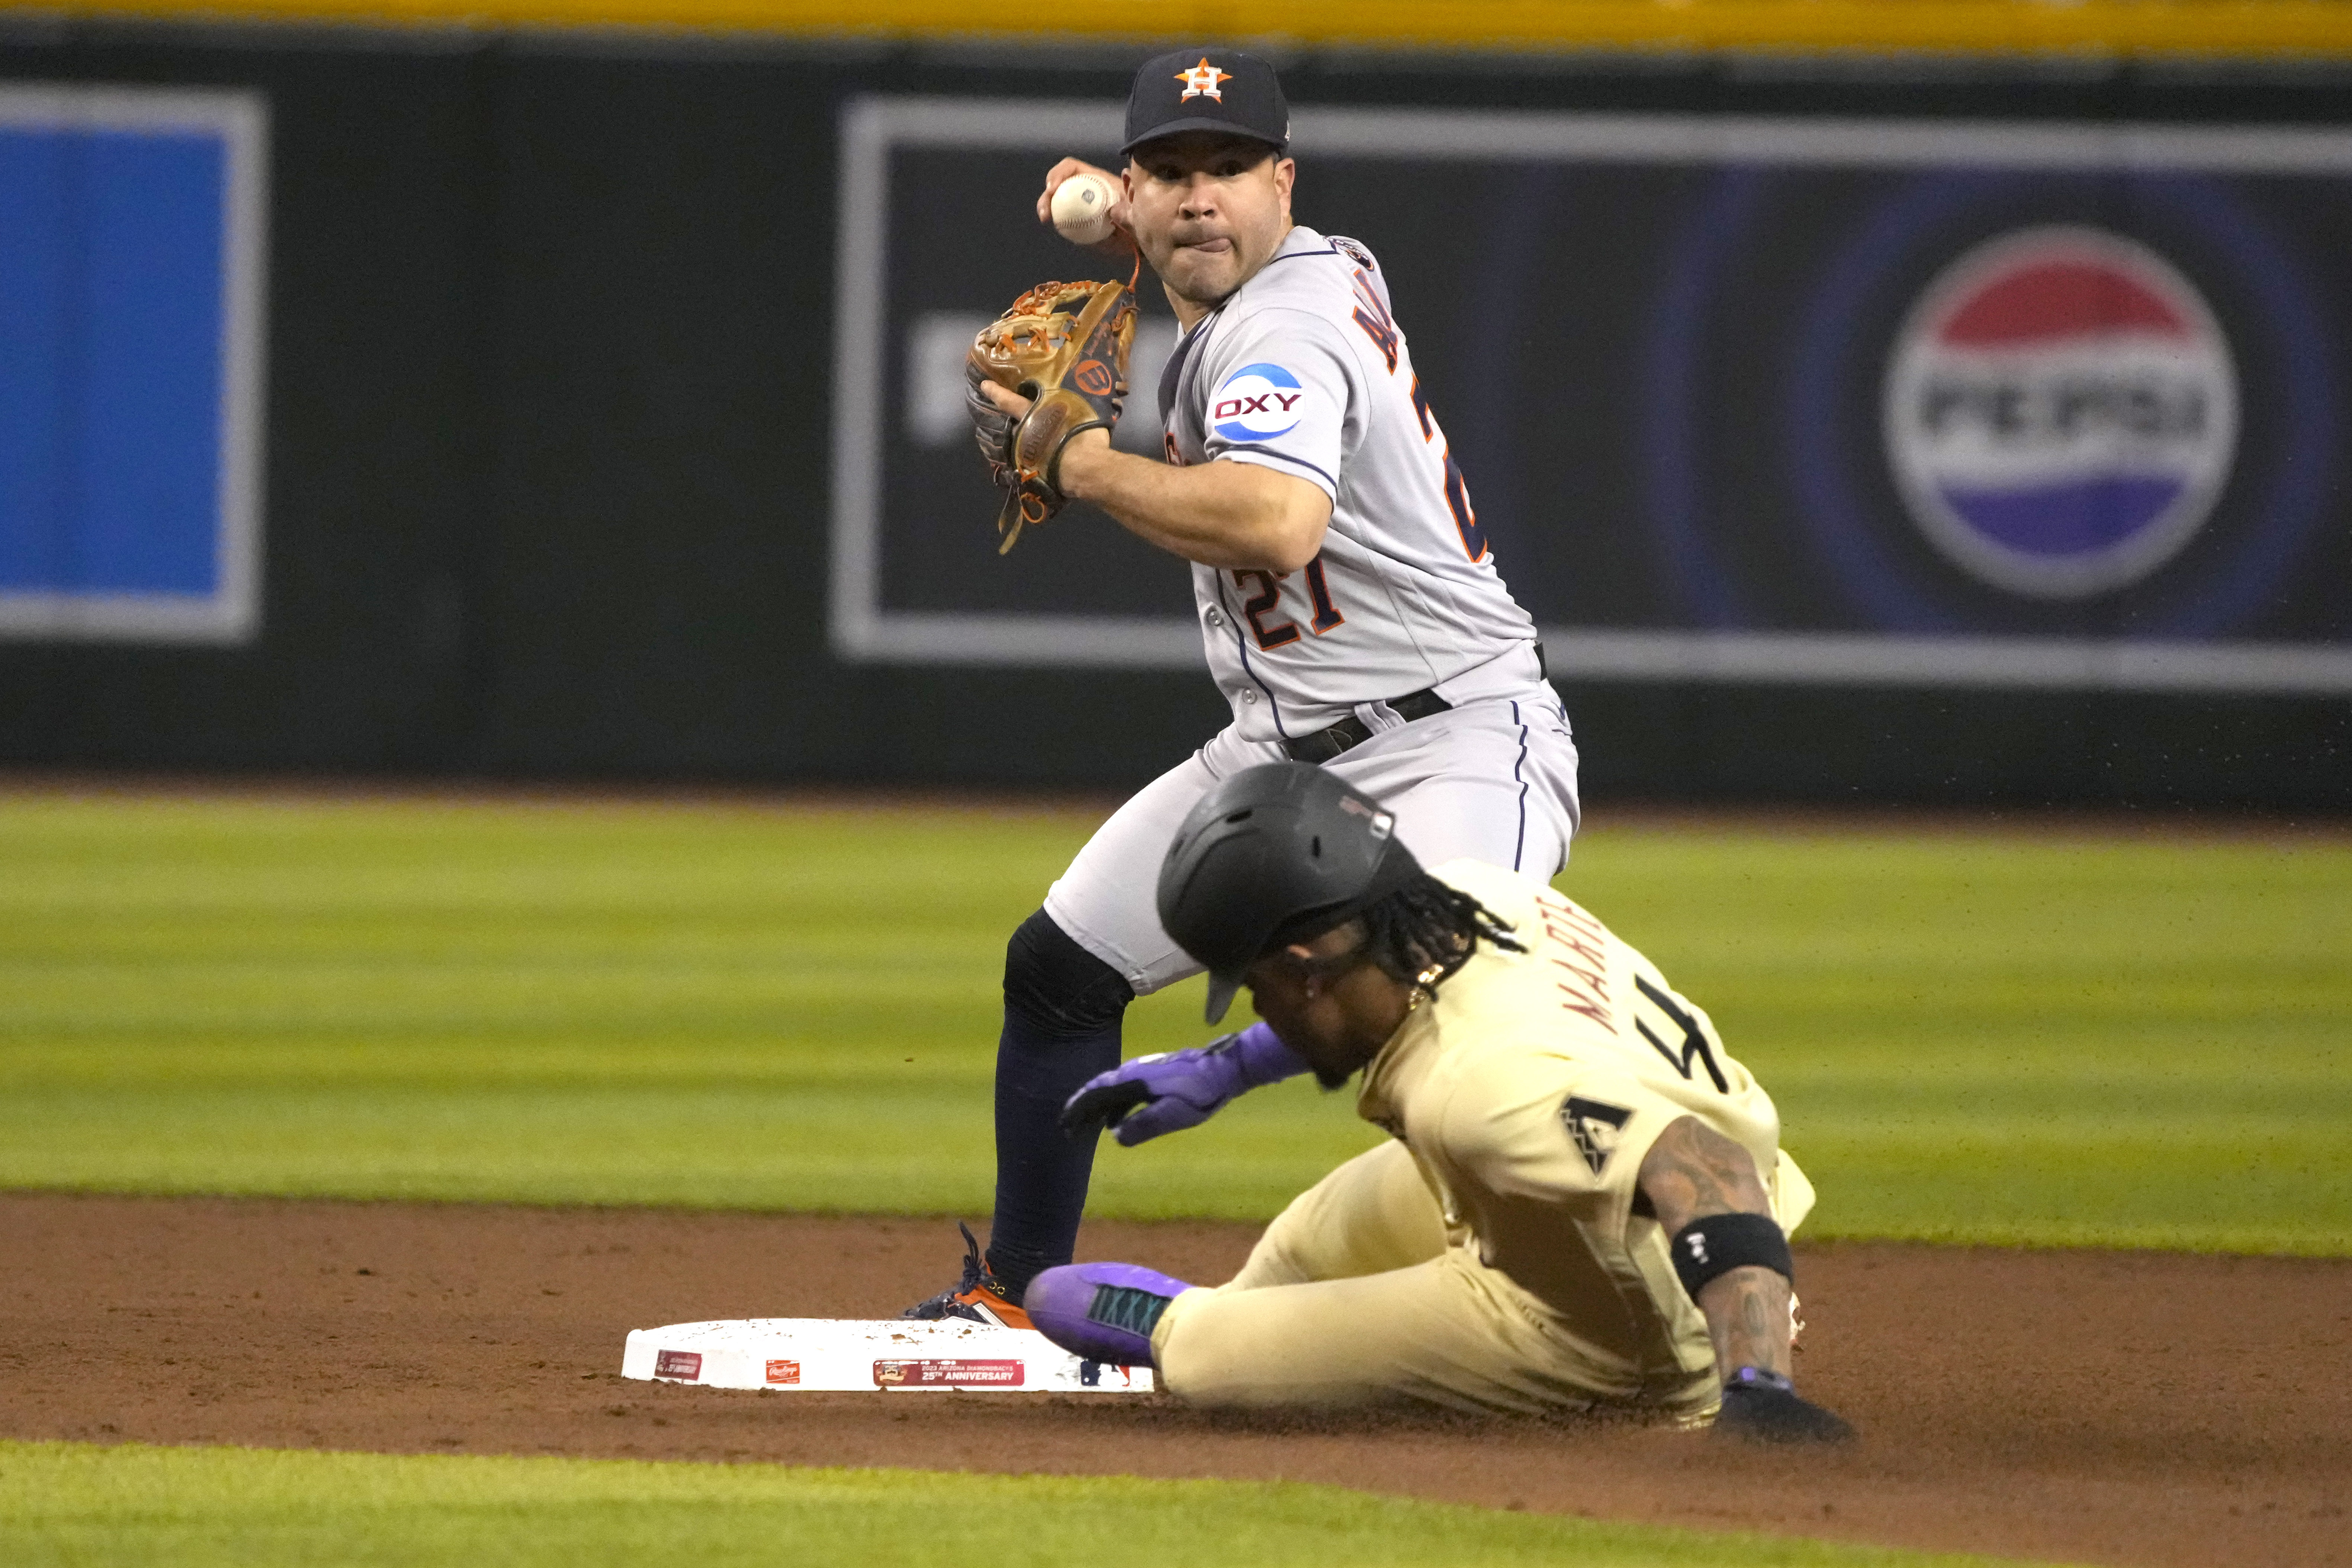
1303	370
1530	1090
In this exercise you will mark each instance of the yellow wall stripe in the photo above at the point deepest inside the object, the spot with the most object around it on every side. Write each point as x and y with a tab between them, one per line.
2293	28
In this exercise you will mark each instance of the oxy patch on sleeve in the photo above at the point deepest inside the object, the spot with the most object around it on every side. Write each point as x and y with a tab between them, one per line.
1257	402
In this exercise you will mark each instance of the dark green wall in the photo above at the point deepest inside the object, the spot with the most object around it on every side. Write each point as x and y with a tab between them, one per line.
547	448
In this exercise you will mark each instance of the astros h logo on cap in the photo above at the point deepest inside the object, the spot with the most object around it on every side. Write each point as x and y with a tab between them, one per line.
1202	79
1184	89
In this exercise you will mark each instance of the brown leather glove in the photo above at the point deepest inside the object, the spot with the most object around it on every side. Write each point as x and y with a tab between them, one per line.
1062	346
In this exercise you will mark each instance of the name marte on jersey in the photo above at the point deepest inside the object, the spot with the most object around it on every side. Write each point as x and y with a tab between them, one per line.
1585	988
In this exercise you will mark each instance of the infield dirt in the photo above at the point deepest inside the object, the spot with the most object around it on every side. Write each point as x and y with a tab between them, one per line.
2130	1408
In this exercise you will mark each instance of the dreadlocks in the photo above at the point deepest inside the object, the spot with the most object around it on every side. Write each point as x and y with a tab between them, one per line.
1426	925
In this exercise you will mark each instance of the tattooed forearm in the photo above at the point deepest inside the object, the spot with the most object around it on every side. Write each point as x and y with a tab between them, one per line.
1693	1170
1690	1173
1748	1317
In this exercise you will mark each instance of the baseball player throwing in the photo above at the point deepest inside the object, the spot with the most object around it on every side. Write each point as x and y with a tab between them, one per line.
1349	605
1584	1203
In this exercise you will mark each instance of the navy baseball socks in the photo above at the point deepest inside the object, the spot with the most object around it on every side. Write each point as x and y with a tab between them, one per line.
1062	1011
1103	1311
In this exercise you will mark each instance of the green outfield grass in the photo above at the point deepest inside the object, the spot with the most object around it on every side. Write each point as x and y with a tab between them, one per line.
240	1508
1982	1036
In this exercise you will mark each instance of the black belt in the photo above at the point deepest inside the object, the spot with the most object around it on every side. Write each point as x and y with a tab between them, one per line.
1351	731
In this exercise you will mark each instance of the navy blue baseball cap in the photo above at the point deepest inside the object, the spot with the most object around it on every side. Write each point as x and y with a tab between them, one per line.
1206	89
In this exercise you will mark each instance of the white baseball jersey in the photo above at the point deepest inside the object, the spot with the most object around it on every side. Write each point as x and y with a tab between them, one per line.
1303	370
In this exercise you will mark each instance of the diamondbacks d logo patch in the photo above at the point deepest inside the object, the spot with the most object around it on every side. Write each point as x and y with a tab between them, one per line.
1593	1125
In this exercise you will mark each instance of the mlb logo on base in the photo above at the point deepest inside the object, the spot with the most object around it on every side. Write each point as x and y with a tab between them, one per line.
2061	411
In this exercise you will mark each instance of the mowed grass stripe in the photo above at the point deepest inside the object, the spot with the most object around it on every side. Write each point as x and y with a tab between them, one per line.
2012	1037
238	1508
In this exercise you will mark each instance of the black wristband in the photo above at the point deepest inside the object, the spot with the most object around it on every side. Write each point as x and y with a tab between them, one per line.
1722	1242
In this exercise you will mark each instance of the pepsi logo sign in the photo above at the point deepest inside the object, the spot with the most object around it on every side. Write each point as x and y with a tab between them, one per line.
2060	411
1256	403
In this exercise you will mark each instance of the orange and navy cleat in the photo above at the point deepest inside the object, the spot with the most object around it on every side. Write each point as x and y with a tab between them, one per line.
978	1297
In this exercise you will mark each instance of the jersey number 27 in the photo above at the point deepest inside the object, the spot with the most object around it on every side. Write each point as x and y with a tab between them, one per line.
1269	596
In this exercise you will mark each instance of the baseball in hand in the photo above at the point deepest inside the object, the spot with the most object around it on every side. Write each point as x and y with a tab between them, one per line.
1082	208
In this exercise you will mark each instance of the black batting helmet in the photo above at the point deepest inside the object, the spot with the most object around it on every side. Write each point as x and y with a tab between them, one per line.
1272	856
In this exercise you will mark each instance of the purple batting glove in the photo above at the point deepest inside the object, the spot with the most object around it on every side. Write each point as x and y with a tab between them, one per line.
1176	1089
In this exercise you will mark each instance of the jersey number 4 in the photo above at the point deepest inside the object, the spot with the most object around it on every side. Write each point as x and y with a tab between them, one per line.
1695	1047
1269	596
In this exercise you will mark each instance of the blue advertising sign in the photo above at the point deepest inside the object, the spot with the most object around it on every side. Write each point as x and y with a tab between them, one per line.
1884	401
132	234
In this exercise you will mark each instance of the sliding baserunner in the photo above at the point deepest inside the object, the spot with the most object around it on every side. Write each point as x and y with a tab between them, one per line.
1583	1204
